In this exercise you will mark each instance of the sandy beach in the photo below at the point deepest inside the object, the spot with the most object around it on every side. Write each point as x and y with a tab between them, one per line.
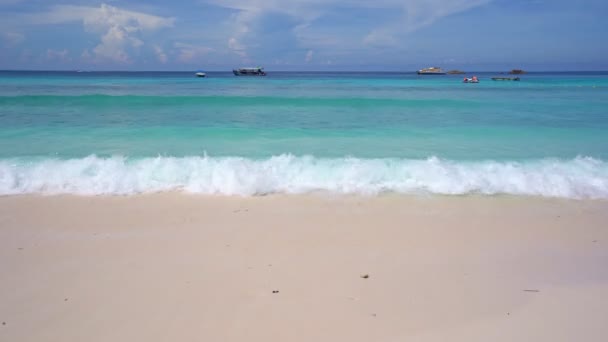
176	267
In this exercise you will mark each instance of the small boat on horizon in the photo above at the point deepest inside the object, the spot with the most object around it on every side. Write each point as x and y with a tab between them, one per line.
505	78
257	71
200	73
431	71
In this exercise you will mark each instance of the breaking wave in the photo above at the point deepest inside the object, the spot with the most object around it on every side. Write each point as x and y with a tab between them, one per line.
579	178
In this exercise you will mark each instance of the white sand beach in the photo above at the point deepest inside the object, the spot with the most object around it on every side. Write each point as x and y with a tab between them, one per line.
176	267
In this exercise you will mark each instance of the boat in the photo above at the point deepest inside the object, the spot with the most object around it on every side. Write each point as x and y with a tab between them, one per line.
505	78
257	71
431	71
200	74
473	79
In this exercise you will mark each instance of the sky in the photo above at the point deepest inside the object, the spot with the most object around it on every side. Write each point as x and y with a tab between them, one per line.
308	35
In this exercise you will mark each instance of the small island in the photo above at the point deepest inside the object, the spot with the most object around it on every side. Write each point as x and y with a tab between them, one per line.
455	72
517	72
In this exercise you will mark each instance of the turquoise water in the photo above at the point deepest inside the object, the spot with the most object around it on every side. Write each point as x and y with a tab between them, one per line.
105	133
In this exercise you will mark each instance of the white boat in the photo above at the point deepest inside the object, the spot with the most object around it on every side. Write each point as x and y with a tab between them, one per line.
431	71
200	74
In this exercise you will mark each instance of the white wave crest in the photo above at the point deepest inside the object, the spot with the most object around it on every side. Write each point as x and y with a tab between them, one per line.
582	177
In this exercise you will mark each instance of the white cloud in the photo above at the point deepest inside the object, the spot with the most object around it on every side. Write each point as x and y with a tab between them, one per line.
58	55
12	38
160	54
237	47
242	23
120	29
102	17
380	38
309	56
259	30
424	13
188	53
113	45
416	14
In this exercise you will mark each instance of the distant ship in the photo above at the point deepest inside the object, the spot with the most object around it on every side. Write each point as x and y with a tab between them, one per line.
431	71
200	73
257	71
505	78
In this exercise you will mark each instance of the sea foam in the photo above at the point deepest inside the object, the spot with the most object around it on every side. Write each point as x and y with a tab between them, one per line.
581	177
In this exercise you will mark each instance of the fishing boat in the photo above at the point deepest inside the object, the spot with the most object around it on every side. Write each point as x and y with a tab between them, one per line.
431	71
257	71
505	78
200	74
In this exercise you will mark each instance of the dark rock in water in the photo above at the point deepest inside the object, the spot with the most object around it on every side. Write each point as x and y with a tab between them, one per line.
365	276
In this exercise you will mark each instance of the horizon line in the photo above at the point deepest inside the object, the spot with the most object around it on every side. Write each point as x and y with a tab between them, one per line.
311	71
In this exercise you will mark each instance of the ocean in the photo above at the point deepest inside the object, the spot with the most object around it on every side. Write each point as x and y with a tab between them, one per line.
121	133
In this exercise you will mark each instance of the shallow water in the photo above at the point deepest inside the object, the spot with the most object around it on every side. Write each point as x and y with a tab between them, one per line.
93	133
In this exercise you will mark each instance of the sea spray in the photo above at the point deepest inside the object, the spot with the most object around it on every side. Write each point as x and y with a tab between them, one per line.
578	178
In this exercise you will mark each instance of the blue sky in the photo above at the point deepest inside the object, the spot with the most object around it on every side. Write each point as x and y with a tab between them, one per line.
400	35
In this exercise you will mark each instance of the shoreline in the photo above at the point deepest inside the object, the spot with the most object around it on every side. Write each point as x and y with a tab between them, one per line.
577	178
174	266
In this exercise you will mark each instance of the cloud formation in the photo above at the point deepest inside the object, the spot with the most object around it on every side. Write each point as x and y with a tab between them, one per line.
190	53
415	15
309	55
299	34
12	38
160	54
421	13
120	29
58	55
